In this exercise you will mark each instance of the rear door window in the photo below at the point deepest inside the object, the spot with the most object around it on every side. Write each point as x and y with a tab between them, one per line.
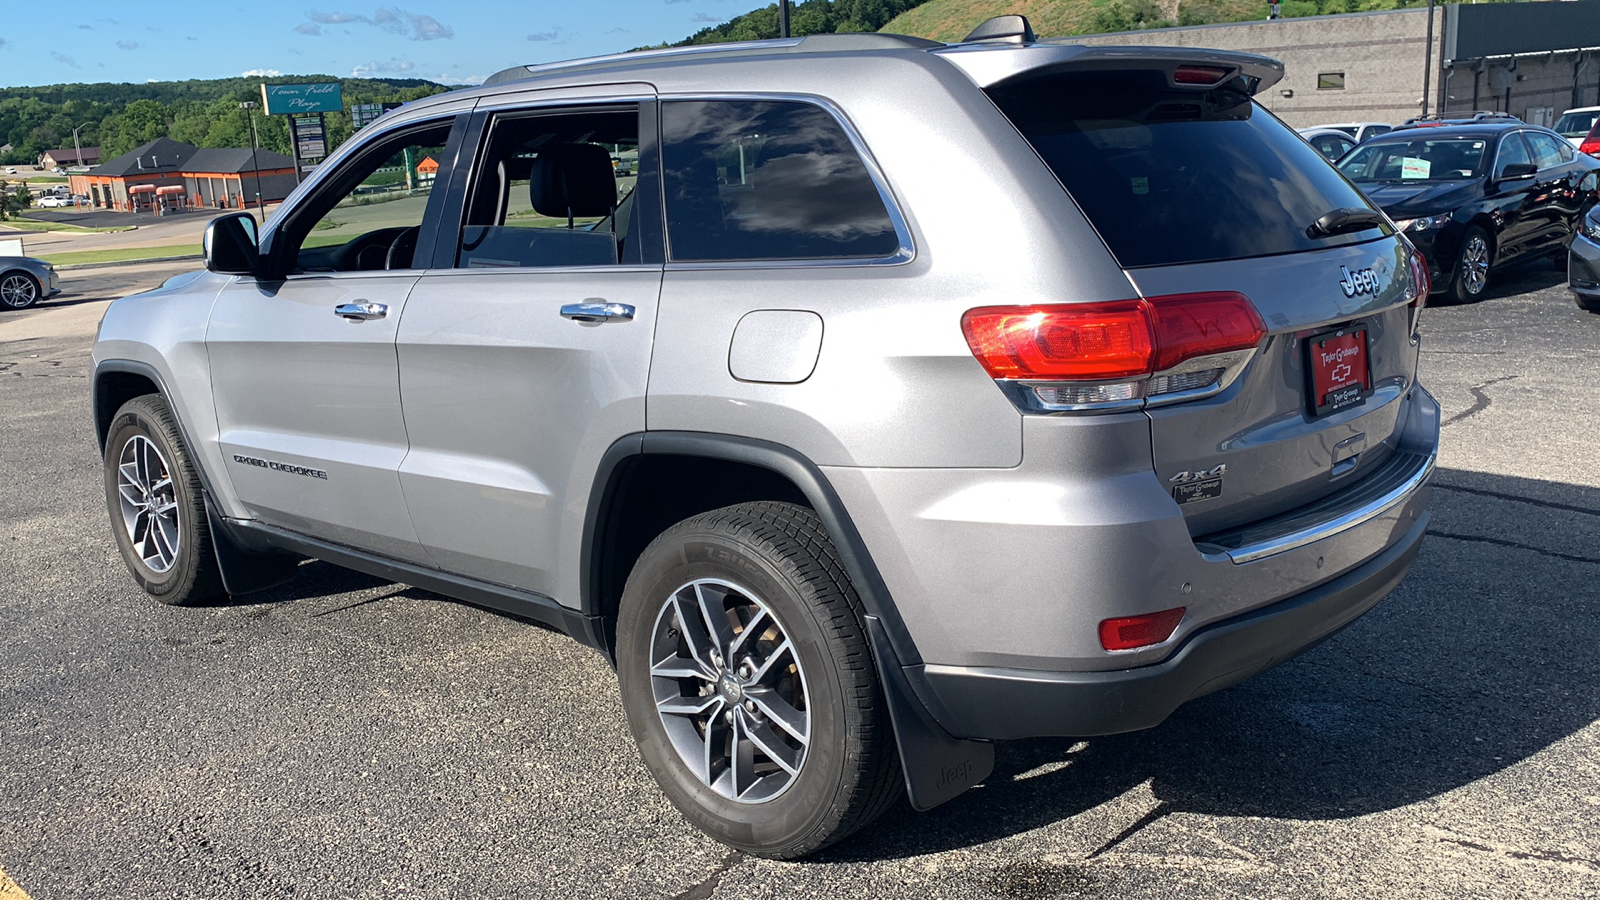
1177	176
767	180
1548	152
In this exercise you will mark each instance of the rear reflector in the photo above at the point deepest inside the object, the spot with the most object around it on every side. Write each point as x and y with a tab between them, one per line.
1198	75
1134	632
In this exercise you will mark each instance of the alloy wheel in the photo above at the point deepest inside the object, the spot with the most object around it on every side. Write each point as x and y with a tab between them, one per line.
18	291
149	503
730	691
1475	264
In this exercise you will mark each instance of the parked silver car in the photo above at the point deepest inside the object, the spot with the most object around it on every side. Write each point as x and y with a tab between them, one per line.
915	397
25	281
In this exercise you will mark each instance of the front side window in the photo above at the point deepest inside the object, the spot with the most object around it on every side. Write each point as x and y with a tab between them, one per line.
366	217
1416	160
1513	152
767	180
549	191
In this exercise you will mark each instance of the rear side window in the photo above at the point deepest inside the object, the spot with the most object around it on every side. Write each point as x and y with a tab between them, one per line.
767	180
1170	176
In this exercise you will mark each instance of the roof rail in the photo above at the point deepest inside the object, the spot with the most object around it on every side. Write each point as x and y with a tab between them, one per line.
816	43
1003	29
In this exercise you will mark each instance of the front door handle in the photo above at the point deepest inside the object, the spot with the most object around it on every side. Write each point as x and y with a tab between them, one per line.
591	311
360	312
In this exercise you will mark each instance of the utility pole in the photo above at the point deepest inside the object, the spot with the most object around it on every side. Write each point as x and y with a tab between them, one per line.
1427	62
783	18
249	106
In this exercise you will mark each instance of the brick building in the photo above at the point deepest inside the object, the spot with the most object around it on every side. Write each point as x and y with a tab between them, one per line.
167	175
1530	59
88	156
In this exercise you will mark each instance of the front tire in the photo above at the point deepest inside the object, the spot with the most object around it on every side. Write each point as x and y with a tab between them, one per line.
19	290
748	682
158	513
1472	266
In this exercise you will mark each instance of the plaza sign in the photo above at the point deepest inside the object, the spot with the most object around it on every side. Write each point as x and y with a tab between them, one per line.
289	99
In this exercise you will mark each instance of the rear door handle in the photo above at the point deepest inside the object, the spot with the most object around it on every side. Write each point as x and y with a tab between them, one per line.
360	312
597	312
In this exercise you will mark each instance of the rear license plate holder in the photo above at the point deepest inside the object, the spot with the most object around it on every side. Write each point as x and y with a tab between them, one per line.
1338	369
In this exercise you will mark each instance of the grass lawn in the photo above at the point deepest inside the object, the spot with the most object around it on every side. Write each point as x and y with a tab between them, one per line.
122	254
36	225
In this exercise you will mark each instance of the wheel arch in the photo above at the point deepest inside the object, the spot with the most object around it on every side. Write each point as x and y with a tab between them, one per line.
115	382
937	767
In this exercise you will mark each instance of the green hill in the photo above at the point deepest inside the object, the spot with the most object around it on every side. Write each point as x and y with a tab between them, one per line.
952	20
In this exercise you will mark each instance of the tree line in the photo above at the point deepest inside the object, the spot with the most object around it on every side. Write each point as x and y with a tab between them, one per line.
203	112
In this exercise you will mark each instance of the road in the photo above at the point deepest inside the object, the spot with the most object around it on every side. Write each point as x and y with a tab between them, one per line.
343	737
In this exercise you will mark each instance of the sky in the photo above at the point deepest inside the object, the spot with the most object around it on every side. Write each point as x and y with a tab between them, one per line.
460	42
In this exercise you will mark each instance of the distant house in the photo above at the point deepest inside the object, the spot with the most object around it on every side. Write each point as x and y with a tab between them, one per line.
170	175
89	156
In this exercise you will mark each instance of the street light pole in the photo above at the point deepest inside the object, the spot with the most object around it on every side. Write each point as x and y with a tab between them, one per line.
783	18
249	106
76	148
1427	62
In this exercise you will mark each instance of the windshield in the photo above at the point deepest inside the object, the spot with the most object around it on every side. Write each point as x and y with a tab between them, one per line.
1576	124
1415	160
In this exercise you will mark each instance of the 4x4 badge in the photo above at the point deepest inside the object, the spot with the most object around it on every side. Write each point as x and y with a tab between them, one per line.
1201	484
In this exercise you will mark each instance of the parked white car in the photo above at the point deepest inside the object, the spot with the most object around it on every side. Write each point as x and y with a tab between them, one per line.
1575	124
50	201
1358	130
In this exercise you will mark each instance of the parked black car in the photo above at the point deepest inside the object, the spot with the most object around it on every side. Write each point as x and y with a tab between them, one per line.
1583	263
1475	197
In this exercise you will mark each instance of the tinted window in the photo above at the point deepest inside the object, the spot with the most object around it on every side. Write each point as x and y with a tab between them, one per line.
1548	152
1415	160
1170	176
753	179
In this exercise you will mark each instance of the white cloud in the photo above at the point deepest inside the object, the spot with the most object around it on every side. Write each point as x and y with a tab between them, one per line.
416	26
310	28
460	79
260	73
64	60
394	66
127	45
702	17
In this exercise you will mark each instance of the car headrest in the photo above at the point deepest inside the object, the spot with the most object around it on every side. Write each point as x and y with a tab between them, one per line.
573	180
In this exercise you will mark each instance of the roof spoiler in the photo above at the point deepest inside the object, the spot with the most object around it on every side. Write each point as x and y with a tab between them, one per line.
1186	68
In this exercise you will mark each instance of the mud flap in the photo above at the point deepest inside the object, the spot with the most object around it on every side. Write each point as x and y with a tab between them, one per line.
938	767
244	570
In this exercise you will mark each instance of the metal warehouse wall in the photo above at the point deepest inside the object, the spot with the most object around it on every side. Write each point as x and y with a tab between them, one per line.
1379	53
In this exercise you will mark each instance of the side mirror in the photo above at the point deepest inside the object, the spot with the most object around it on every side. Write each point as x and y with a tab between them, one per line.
1517	171
230	245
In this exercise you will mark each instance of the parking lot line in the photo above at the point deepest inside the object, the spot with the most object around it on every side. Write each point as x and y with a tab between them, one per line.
10	890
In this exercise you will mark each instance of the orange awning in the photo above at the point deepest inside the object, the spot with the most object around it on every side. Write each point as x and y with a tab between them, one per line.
142	189
170	189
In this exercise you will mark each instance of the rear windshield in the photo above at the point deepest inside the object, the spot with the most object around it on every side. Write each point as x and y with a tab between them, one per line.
1576	124
1169	176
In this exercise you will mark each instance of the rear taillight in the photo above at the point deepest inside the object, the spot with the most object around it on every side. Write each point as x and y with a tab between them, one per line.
1421	283
1591	144
1134	632
1089	355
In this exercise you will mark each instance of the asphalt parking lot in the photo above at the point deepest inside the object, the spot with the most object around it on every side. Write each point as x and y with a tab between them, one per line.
342	737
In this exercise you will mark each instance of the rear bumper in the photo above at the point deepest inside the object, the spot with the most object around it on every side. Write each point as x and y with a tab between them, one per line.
1003	704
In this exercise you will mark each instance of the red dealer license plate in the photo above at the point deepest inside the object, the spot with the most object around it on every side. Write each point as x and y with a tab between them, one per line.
1340	376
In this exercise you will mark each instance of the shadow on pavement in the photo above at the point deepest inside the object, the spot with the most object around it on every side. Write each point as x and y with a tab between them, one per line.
1467	668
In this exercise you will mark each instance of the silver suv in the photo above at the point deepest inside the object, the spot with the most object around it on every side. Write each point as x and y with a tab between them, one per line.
907	397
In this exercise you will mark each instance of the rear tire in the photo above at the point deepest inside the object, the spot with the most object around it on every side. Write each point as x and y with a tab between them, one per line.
158	513
1472	266
19	290
749	684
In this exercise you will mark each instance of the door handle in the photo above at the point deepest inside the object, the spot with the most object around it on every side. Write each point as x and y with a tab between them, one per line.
360	312
597	311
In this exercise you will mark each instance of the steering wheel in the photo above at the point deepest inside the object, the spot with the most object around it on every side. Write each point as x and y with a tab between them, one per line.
402	249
